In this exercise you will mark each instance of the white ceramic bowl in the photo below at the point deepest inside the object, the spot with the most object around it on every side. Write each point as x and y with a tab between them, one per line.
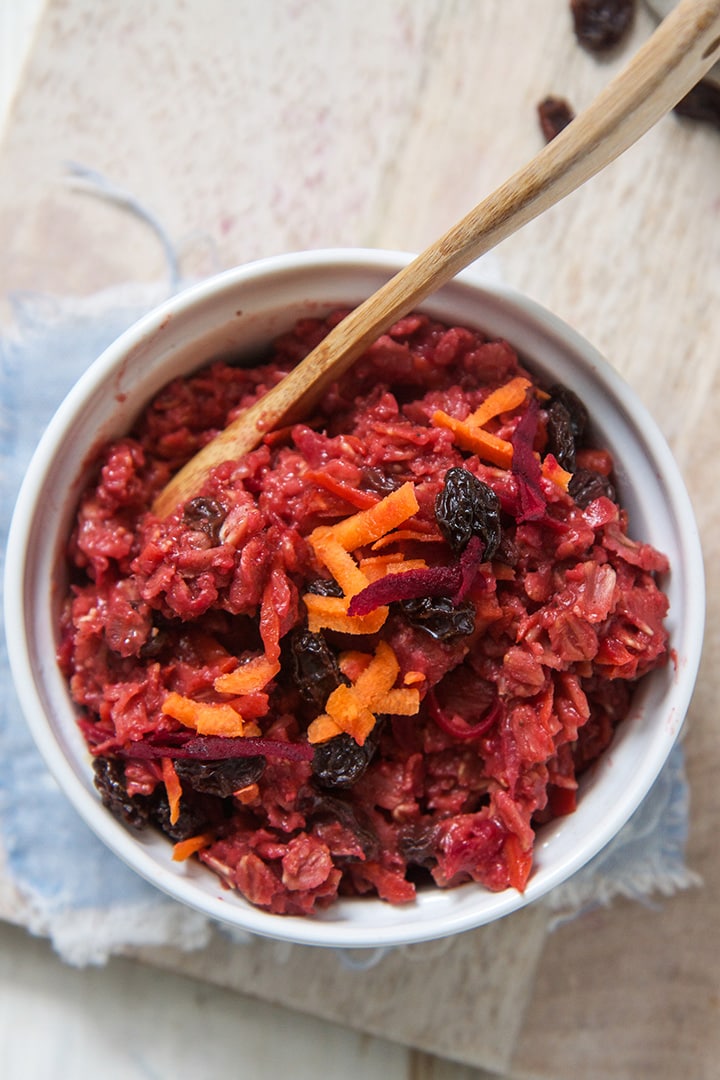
233	313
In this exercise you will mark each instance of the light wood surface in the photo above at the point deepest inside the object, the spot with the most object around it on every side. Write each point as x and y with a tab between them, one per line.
676	56
270	125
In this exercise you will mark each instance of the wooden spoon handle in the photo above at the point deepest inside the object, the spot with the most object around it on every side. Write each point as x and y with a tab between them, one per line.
678	54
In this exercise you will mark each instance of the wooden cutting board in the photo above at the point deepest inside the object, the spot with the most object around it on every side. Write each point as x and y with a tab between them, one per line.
256	128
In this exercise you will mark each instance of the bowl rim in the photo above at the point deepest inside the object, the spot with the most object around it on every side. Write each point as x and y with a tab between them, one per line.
300	929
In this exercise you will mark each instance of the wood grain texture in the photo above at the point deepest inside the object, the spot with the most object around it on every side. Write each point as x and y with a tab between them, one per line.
258	128
670	63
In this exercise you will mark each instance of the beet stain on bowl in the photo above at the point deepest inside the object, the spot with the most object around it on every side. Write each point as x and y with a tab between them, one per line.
363	684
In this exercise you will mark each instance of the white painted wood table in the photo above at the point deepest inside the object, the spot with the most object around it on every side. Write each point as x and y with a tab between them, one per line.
263	126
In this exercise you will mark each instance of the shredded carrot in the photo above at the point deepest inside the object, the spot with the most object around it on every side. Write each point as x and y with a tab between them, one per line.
519	863
412	677
207	718
330	613
378	676
185	848
369	525
503	399
172	787
400	702
339	562
352	663
353	708
363	500
346	707
322	728
553	471
476	440
253	675
406	534
247	794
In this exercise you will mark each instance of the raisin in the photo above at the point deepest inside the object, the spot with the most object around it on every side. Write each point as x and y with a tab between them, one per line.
701	103
220	778
205	515
440	617
467	507
110	782
554	114
319	807
561	441
418	846
156	642
377	480
340	762
587	485
577	413
601	24
196	814
314	667
324	587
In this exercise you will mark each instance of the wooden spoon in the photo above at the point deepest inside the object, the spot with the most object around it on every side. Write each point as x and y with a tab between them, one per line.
678	54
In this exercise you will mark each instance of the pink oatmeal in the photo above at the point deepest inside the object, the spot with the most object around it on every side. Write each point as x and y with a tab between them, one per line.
376	653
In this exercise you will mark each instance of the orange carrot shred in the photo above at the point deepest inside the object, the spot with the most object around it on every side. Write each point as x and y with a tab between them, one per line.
185	848
369	525
363	500
172	787
339	562
504	399
552	470
406	534
412	677
207	718
476	440
322	728
253	675
330	613
247	794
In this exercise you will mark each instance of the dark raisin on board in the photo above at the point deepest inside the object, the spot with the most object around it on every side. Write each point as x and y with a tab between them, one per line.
467	507
554	114
440	617
701	103
601	24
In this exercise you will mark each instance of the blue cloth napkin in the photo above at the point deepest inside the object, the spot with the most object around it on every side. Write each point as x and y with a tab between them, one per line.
73	889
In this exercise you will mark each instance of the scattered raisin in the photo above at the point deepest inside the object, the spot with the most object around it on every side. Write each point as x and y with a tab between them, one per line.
220	777
587	485
601	24
340	762
440	617
467	507
314	667
701	103
110	782
324	587
554	114
205	515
